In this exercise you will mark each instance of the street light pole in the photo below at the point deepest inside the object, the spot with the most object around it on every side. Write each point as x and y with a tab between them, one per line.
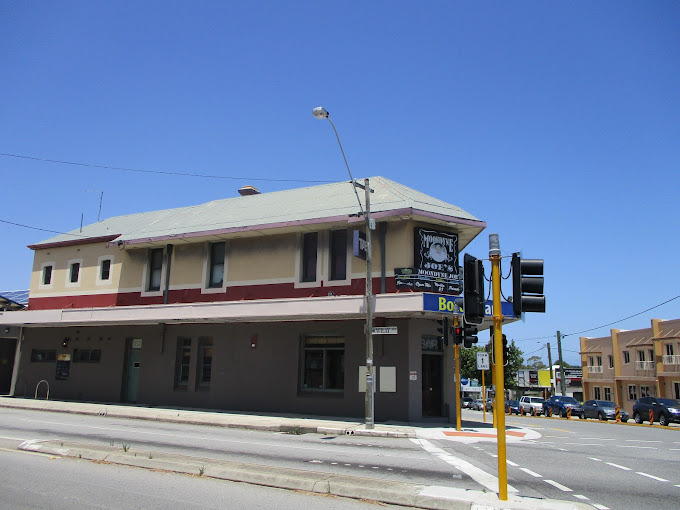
320	113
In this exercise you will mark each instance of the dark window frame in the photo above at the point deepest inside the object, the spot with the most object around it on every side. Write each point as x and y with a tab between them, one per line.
156	255
74	272
204	361
47	274
182	361
43	355
87	355
105	270
323	364
216	262
310	248
338	254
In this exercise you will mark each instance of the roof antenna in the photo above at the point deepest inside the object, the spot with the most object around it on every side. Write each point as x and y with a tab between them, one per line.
101	196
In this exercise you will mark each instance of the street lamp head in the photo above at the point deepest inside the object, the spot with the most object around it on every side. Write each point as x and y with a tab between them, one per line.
320	112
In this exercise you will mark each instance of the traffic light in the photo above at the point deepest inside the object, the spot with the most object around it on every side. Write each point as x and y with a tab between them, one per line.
458	334
527	285
469	335
474	299
443	329
505	350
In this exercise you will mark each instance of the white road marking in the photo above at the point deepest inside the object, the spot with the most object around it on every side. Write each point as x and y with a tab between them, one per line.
511	463
595	459
600	507
530	472
586	444
558	485
617	466
651	476
641	447
598	438
641	441
481	477
579	496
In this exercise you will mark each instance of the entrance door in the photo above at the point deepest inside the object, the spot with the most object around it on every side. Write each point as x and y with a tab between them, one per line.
134	358
8	347
432	385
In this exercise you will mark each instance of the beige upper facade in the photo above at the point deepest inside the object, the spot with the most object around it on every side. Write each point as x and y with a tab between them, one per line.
628	365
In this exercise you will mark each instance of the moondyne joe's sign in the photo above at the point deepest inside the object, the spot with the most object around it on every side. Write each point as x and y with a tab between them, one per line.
436	254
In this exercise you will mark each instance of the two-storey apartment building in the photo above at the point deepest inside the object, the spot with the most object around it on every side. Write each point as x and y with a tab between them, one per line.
628	365
252	303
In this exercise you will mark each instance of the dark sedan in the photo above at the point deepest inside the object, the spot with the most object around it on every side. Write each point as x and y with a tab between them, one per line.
603	410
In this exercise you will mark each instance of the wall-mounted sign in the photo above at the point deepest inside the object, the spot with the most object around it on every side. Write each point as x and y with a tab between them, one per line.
454	305
436	254
389	330
359	244
63	367
408	278
413	375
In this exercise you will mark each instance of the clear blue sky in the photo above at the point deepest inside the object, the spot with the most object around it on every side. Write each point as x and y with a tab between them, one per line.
554	122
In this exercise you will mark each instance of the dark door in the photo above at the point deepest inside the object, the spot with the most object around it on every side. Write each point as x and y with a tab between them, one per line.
8	347
432	385
134	357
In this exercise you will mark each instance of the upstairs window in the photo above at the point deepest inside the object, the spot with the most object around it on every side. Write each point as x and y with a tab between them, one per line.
216	276
105	270
338	252
155	269
47	275
309	255
611	363
74	272
626	357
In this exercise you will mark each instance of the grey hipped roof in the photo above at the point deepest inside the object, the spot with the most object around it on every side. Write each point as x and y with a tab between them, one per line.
325	203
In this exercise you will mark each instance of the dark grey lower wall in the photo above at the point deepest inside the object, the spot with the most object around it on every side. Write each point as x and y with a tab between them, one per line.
264	378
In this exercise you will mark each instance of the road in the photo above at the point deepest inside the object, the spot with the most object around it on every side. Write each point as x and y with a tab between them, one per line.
613	465
602	464
32	481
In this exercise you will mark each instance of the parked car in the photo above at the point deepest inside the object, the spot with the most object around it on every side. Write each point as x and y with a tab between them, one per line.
466	402
489	404
531	405
603	410
477	404
559	404
512	406
666	410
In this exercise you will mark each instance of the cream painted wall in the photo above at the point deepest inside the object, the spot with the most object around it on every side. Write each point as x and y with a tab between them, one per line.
89	257
262	258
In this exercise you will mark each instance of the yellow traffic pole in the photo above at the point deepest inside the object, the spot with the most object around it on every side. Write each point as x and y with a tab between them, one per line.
456	351
495	256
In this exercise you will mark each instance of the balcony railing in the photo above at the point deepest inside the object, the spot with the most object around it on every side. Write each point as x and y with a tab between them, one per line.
594	369
644	365
671	359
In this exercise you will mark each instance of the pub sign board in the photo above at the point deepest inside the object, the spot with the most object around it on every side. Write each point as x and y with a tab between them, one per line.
436	254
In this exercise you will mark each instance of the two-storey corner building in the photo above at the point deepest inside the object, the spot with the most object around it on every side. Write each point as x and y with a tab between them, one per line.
251	303
628	365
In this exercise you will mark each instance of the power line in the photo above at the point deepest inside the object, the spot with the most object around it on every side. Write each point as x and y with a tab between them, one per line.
621	320
42	229
160	172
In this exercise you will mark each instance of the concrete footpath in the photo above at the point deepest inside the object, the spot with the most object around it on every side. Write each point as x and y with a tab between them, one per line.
385	491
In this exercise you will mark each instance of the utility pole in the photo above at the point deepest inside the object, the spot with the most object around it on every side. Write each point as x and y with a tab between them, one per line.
563	382
456	351
370	403
551	370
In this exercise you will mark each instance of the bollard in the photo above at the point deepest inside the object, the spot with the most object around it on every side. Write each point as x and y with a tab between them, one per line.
651	416
618	414
568	413
550	412
509	411
521	410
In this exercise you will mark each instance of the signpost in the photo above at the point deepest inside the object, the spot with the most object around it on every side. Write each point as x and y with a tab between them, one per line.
390	330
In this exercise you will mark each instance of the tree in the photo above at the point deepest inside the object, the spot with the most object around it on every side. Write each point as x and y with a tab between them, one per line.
535	363
468	364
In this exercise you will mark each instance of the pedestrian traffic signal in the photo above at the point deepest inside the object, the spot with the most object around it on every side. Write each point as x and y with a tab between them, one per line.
527	285
469	335
457	334
474	299
443	329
